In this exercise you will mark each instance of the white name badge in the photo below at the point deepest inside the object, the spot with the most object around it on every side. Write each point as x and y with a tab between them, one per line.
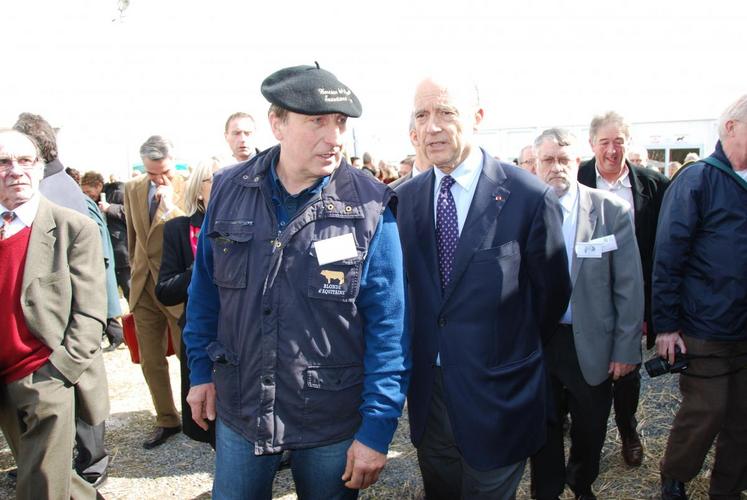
593	249
335	249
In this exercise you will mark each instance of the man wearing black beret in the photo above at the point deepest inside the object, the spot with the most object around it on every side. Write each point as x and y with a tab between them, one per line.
295	324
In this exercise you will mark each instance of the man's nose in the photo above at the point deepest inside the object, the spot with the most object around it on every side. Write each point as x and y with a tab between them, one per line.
332	135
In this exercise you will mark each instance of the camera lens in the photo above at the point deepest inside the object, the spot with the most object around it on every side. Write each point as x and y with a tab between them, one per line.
656	366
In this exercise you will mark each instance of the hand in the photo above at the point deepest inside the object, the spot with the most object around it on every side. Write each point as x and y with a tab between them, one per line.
104	206
665	343
619	370
201	399
165	194
363	467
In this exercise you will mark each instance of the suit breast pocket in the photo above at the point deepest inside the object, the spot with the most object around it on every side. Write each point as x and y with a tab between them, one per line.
231	245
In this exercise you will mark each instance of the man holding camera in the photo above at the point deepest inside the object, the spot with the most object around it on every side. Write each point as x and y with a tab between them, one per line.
700	306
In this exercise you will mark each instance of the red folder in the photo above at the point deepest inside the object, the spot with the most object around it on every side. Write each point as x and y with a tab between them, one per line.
130	338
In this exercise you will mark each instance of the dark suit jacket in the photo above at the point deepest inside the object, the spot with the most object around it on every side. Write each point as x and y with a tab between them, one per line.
509	288
648	190
117	224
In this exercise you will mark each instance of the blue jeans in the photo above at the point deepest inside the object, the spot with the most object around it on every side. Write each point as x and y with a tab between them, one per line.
240	474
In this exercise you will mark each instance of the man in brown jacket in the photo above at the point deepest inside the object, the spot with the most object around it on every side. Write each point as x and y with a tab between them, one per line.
150	200
54	309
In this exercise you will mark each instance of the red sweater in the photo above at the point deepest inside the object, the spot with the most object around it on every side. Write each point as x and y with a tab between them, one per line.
21	353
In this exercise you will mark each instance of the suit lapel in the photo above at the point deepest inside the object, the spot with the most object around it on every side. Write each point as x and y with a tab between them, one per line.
586	223
41	244
640	198
424	226
490	196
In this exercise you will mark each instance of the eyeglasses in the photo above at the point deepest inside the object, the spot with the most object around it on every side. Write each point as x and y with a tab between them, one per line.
25	162
531	161
551	161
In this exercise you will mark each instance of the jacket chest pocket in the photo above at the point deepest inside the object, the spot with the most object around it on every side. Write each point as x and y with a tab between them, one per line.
231	245
338	281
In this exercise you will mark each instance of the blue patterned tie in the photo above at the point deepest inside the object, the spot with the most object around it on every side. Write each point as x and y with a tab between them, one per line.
447	230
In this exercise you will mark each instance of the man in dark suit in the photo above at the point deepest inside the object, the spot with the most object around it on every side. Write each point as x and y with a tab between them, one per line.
54	311
488	279
643	189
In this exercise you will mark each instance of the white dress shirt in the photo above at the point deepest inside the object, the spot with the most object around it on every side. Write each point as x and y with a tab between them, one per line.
569	204
620	187
25	215
463	190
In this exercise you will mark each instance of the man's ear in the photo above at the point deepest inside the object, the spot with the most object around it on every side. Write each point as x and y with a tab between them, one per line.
277	125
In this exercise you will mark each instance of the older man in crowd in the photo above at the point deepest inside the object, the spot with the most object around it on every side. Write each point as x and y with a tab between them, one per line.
487	281
643	189
53	282
528	159
700	308
598	338
150	200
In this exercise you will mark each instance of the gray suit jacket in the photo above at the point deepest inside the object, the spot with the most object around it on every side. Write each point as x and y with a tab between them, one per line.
63	298
607	298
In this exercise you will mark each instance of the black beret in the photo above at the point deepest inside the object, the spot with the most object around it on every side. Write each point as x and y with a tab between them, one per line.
310	90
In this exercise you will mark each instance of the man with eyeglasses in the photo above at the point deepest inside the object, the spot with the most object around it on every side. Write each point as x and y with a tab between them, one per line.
643	189
527	159
53	313
598	337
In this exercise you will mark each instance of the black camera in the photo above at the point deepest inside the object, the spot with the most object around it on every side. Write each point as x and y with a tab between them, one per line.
659	366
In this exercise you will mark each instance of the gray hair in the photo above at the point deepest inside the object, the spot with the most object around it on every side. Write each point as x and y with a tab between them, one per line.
202	171
31	139
609	117
157	148
560	136
520	158
735	111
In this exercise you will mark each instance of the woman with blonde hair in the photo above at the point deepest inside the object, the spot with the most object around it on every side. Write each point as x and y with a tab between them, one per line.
179	246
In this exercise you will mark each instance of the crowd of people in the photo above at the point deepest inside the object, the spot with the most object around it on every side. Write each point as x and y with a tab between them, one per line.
308	295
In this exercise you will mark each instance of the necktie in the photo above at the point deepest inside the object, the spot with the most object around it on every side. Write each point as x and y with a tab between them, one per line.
153	206
447	230
7	219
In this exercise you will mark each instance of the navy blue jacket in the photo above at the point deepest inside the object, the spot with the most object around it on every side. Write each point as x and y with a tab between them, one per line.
700	265
509	288
302	354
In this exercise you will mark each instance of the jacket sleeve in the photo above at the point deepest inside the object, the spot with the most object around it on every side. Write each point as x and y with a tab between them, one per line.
547	265
175	272
627	290
203	308
677	225
82	339
381	301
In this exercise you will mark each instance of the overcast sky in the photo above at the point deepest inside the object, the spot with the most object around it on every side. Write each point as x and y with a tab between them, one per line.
179	68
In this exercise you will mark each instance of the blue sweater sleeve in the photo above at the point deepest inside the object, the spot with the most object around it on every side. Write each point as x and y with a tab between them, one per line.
381	302
203	307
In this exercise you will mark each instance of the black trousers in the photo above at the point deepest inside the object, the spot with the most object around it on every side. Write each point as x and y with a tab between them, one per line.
589	407
91	459
123	280
446	475
626	392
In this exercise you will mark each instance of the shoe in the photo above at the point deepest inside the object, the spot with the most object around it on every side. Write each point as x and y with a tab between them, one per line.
13	475
632	450
671	489
113	347
160	435
96	480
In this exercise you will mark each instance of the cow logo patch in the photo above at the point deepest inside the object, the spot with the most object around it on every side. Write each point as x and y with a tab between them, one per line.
333	282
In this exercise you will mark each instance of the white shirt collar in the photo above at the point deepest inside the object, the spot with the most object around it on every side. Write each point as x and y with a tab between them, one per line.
26	212
466	172
623	179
